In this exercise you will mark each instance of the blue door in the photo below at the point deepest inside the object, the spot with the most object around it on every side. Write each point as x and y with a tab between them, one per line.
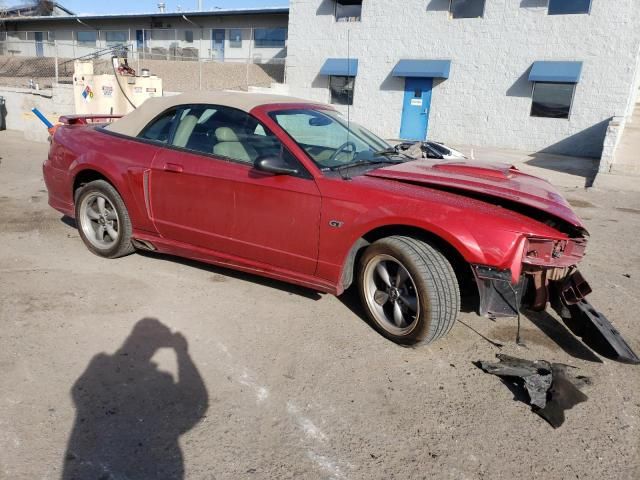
139	40
217	44
415	111
39	47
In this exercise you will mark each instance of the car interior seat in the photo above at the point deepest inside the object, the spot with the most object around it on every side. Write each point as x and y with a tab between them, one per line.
203	137
184	130
229	145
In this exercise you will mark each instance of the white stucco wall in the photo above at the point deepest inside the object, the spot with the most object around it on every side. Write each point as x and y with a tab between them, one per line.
487	98
51	103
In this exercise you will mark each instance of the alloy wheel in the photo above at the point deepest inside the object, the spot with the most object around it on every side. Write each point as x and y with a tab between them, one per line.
391	294
99	221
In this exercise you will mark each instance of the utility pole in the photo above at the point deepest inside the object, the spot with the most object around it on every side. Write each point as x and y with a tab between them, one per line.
3	13
199	5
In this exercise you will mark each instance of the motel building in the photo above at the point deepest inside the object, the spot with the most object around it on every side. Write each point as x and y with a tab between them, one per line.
225	35
534	75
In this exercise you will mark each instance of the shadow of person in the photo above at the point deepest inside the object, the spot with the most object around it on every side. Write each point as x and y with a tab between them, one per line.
130	415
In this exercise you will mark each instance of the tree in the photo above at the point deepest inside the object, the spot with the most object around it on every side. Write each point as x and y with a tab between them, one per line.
43	8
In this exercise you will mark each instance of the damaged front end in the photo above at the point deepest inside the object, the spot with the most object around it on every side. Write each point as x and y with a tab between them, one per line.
546	273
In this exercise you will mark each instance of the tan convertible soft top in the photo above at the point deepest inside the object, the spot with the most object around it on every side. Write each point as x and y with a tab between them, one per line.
133	123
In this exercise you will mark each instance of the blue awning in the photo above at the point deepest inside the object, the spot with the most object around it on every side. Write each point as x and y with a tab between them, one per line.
558	72
347	67
422	68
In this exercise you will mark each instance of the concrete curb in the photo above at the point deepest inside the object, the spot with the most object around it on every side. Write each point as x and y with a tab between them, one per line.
610	181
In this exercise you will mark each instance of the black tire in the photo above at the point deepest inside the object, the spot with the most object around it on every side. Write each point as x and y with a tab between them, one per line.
122	245
433	283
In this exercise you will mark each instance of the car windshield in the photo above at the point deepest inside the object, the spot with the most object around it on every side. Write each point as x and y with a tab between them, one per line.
330	140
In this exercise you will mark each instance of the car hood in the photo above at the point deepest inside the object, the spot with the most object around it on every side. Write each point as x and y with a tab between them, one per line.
501	181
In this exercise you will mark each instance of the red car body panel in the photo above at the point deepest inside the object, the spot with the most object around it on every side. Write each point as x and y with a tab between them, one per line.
496	180
276	211
300	230
482	233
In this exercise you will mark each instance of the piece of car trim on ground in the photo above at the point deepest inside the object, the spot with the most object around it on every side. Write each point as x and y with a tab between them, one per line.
551	391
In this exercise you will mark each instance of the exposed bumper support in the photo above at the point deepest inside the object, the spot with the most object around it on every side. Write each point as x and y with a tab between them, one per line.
500	298
568	300
597	332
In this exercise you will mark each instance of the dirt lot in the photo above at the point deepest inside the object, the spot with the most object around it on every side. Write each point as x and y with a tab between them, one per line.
177	76
292	384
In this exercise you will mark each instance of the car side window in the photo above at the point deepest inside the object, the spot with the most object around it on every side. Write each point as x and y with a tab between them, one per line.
227	133
159	130
194	130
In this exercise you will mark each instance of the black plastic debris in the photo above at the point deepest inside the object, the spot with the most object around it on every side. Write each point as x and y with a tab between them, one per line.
598	333
551	391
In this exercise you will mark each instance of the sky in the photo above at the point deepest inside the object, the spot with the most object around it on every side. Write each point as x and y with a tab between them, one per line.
127	6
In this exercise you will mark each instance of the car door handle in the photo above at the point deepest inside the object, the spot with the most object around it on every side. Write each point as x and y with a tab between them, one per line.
172	167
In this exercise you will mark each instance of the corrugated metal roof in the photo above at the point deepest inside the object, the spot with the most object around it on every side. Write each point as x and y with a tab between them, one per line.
117	16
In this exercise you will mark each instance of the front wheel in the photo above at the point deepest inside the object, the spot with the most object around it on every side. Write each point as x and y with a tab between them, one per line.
408	289
103	221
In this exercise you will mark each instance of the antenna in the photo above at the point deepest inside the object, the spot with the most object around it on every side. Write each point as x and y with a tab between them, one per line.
349	71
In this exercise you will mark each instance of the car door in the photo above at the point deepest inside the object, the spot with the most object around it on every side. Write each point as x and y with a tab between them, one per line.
206	192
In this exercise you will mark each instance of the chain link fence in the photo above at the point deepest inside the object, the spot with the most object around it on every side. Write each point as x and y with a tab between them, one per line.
40	65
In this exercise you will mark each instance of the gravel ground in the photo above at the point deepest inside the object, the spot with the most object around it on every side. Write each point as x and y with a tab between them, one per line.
289	383
177	75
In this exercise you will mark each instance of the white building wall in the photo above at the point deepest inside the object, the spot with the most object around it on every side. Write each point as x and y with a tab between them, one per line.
487	98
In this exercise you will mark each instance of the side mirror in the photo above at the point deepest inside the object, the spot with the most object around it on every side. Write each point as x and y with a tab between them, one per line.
277	165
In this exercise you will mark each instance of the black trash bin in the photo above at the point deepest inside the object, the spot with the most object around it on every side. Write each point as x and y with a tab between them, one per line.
3	114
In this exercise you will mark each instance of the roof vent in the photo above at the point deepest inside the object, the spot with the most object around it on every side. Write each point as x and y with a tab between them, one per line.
161	7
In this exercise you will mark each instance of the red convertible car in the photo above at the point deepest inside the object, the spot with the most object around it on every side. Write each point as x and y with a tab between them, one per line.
291	190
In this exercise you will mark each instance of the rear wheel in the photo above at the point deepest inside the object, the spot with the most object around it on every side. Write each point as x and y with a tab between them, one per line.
103	221
409	290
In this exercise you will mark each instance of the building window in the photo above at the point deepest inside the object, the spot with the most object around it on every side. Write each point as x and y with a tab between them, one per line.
235	38
552	100
466	8
87	38
348	10
270	37
39	36
568	7
116	37
341	89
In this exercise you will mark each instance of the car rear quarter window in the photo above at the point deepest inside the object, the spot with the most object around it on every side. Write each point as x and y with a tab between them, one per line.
159	130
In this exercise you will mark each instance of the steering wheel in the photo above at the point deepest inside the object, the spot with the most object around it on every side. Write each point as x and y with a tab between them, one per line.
343	148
